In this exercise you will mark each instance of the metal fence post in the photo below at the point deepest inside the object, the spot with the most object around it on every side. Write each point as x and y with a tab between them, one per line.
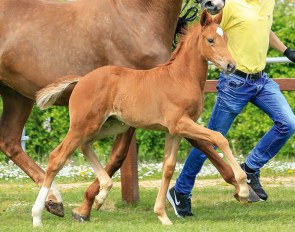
24	139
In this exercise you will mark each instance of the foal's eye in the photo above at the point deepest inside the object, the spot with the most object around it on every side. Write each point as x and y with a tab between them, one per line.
210	40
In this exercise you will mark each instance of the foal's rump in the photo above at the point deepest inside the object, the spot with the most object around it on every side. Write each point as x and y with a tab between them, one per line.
53	92
101	77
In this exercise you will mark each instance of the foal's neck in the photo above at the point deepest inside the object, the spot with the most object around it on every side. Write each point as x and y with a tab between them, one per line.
187	61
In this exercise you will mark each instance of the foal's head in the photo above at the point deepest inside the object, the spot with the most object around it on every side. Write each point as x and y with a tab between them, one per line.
213	43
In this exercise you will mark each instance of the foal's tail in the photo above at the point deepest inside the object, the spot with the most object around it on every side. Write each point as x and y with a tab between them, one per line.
48	95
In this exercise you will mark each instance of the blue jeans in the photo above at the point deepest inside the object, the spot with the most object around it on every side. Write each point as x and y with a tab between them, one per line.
234	92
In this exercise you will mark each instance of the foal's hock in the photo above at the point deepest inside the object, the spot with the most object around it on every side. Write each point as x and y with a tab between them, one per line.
169	97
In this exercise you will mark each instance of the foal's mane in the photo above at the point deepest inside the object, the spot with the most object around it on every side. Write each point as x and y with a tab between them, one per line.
183	37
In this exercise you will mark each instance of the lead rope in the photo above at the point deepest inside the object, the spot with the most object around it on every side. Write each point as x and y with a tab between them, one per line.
189	16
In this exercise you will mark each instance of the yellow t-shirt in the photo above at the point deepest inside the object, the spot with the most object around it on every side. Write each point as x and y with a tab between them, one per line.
247	24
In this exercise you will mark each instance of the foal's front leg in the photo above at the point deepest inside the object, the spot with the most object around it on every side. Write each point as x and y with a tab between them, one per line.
224	169
187	128
118	155
170	152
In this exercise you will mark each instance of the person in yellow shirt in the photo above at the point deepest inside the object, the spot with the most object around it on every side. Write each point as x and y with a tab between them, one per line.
247	24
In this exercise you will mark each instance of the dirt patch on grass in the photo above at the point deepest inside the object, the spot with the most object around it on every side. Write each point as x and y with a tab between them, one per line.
265	181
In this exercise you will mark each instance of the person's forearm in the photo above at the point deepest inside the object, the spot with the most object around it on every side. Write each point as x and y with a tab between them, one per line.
276	43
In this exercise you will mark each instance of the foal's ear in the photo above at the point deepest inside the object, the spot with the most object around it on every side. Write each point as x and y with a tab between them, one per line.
205	18
218	18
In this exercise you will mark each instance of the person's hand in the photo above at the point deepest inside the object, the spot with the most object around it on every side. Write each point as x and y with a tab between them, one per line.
290	54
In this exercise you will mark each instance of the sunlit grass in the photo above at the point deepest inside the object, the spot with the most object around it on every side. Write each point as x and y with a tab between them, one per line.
214	207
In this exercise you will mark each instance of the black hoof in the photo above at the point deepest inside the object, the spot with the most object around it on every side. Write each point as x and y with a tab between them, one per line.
55	208
80	218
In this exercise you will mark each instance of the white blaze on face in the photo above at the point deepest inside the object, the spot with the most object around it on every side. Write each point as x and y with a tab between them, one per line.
219	31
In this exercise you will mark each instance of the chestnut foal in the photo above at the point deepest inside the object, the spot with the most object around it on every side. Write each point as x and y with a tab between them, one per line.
43	40
170	97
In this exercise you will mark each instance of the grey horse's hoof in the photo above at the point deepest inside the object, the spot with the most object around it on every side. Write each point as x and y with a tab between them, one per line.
80	218
55	208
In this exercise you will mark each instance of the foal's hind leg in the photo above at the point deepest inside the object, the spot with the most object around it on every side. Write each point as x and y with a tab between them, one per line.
224	169
16	110
56	161
119	153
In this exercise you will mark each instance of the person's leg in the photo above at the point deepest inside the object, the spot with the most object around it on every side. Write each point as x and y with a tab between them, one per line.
273	103
231	99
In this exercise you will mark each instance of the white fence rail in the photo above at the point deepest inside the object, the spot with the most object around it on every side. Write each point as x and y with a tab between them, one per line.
273	60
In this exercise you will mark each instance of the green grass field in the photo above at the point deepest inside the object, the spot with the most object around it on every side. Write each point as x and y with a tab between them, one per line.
214	207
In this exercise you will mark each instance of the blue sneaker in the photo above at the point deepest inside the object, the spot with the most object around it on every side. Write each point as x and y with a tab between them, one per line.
181	203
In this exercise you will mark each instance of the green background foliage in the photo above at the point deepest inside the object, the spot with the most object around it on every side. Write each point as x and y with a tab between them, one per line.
246	131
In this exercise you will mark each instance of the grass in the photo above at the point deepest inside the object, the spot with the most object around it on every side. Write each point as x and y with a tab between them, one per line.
214	207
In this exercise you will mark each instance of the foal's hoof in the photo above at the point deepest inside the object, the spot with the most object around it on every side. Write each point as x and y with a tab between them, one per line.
80	218
55	208
242	199
253	197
